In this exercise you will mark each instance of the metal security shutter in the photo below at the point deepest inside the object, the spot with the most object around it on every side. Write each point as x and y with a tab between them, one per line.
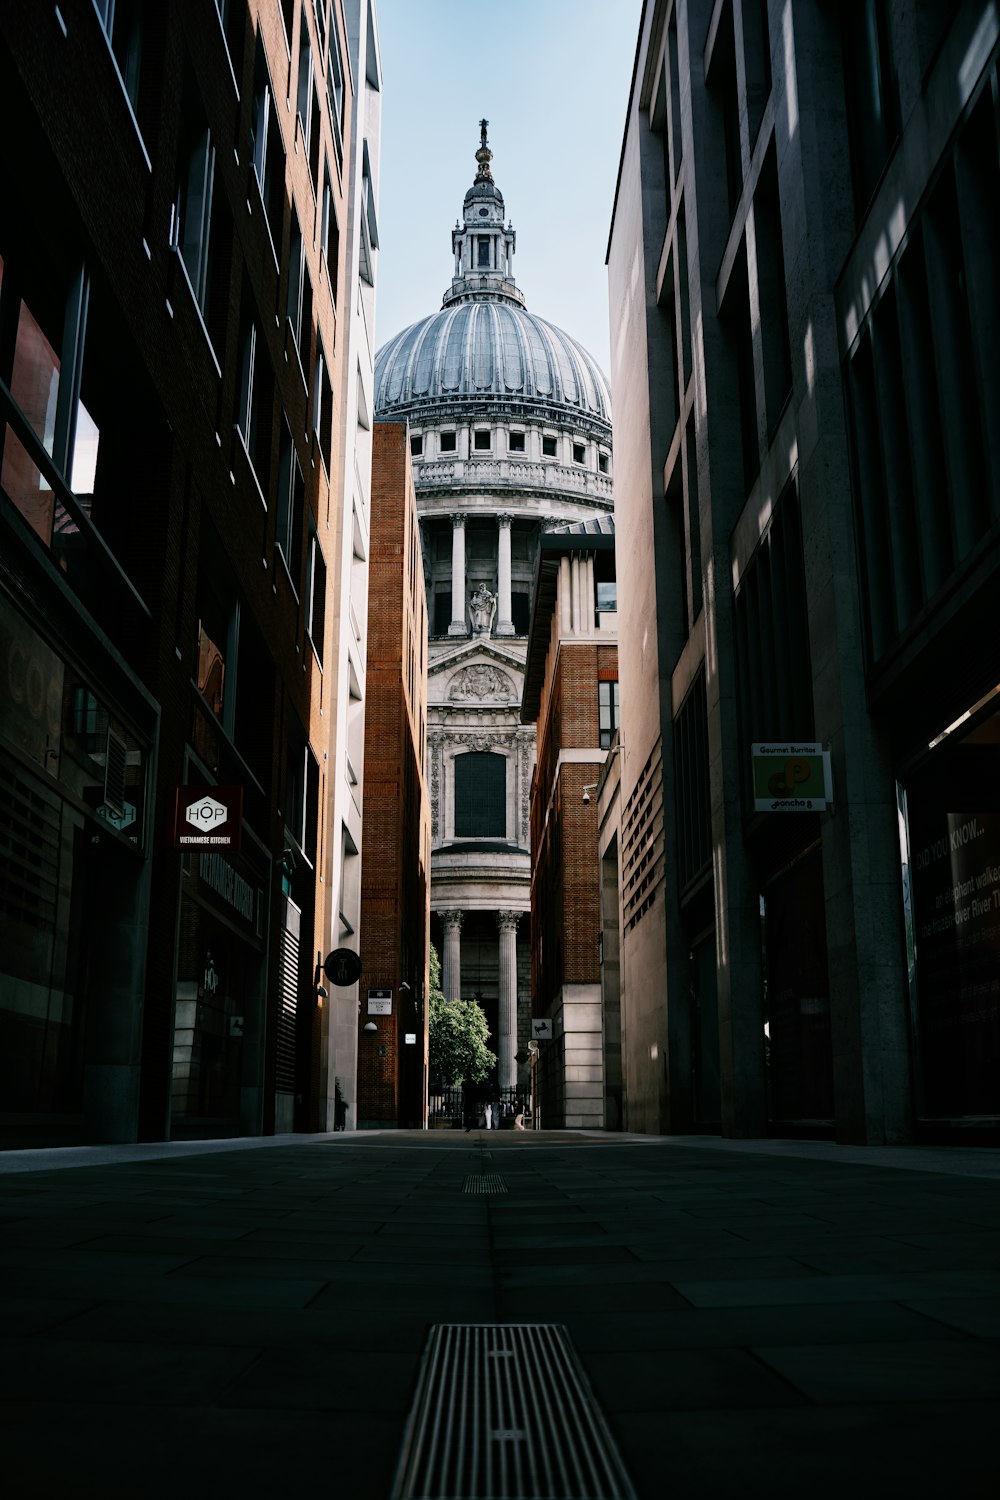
288	990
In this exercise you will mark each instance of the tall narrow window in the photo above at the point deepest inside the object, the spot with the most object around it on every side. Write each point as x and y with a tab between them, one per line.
290	506
607	712
335	94
323	409
256	397
266	150
193	203
316	597
121	21
480	795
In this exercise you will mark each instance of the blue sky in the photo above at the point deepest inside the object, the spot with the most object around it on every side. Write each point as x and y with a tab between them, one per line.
552	77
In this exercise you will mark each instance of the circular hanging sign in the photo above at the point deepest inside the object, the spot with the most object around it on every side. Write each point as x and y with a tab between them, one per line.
343	967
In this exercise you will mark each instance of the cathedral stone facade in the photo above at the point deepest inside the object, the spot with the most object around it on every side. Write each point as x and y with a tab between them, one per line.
510	435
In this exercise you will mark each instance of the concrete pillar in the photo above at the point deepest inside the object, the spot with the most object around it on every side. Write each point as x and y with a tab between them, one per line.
507	1037
451	963
505	624
565	598
458	625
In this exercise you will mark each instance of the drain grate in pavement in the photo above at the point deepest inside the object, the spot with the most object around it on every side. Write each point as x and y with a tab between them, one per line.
484	1182
504	1411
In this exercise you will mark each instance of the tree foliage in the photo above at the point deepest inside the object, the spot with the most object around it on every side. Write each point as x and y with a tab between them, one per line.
458	1035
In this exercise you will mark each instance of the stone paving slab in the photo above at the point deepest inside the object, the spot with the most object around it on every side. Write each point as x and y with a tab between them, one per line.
248	1318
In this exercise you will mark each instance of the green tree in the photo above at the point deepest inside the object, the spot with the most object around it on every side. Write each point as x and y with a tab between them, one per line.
458	1035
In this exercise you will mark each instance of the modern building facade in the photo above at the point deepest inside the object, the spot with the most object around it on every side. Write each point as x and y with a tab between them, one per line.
804	251
509	434
174	310
571	695
396	853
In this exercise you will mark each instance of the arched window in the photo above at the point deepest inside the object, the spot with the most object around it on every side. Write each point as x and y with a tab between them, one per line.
480	796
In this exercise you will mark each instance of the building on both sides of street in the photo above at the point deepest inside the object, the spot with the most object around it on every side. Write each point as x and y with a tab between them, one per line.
396	854
804	252
187	261
510	436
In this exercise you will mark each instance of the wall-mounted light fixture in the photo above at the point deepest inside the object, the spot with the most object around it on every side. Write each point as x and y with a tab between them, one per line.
370	1027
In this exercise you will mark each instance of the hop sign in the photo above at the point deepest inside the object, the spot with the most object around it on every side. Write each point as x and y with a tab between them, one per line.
208	817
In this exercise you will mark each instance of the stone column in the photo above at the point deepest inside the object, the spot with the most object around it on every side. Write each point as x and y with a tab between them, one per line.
458	625
505	623
451	962
507	1032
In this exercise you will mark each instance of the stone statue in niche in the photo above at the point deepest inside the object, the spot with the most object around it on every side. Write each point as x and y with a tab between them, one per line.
482	608
479	682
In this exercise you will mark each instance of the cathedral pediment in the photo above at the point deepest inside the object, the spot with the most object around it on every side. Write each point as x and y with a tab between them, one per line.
476	672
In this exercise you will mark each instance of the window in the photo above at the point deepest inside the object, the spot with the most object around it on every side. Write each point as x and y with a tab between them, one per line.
335	94
417	445
368	225
323	409
515	442
329	238
602	462
266	150
253	418
480	795
483	253
548	447
607	596
579	453
448	442
290	507
319	11
316	597
442	611
305	103
301	792
121	21
607	712
520	611
193	204
299	305
482	441
872	98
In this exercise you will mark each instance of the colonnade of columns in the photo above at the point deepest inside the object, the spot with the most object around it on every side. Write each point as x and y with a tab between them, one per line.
451	983
504	616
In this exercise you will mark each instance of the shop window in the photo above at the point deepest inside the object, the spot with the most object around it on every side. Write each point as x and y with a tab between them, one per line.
448	442
266	150
548	447
607	712
480	795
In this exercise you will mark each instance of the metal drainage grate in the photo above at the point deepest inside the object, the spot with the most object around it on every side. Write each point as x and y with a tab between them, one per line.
505	1412
484	1182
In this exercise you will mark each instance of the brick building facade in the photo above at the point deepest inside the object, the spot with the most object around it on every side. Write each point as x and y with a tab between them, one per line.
395	881
176	290
571	695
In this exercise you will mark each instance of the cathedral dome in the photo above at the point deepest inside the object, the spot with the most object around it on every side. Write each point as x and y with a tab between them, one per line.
483	346
489	349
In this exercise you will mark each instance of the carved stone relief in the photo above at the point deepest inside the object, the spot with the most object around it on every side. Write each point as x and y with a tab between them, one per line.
481	682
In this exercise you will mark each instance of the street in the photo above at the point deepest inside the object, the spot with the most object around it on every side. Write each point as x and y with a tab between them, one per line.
249	1317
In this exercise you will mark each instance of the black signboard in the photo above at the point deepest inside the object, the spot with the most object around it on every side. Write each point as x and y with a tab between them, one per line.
342	967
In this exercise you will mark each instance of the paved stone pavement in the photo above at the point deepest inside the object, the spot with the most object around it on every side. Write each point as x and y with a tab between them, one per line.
246	1318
